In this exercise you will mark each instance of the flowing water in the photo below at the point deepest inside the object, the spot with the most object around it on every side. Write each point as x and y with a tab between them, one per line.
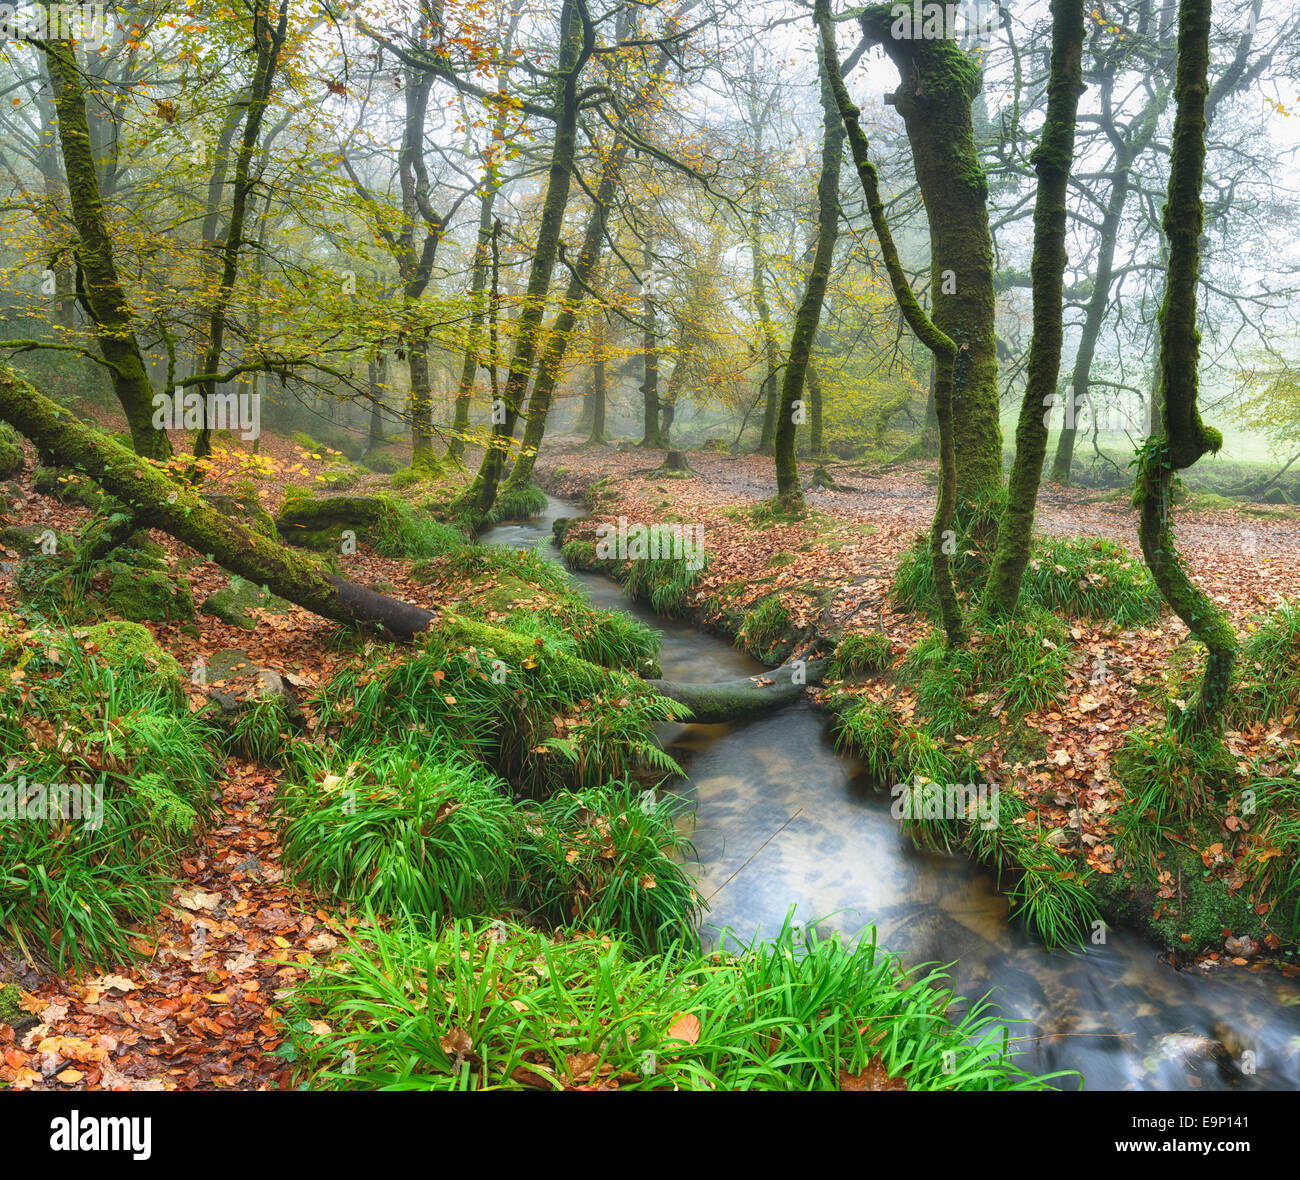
783	820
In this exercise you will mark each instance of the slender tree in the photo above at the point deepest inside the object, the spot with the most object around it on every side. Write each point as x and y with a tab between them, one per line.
99	289
1052	161
1183	438
576	45
939	85
788	489
942	346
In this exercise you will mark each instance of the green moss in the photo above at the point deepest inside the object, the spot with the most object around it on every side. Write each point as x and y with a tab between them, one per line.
339	478
1202	907
11	1009
67	487
11	452
233	604
131	645
145	594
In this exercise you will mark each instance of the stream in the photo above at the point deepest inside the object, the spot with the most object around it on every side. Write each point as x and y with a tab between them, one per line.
1119	1014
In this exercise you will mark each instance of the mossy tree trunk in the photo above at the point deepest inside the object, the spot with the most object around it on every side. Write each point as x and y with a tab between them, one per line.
939	84
155	501
1052	161
101	292
598	379
557	339
942	346
1185	438
576	44
788	489
650	432
268	37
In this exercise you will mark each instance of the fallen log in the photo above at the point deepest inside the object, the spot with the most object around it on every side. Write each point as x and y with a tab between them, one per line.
154	500
735	700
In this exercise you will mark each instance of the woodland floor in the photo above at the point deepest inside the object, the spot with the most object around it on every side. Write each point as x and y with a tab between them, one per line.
200	1008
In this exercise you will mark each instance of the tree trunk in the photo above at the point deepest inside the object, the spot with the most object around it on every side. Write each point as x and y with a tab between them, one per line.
477	287
373	379
268	39
1185	438
1052	162
816	439
557	340
101	292
733	700
767	436
650	376
938	86
941	346
1126	153
806	321
597	436
482	493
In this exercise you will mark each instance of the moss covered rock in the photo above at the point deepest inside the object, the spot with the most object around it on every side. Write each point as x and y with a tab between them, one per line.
339	477
318	523
11	452
233	604
141	594
68	487
123	645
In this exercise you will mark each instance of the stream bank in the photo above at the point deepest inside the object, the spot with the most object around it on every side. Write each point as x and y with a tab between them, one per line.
783	820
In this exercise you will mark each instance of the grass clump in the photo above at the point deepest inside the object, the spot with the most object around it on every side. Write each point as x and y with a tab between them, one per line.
497	1007
666	585
765	630
860	652
517	503
414	831
1090	578
611	858
108	778
1268	668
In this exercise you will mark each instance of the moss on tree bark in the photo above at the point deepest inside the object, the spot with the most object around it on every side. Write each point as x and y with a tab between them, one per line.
1052	162
938	86
941	345
1185	438
788	489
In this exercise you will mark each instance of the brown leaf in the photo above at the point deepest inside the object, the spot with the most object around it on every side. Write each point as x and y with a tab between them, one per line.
873	1077
684	1027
